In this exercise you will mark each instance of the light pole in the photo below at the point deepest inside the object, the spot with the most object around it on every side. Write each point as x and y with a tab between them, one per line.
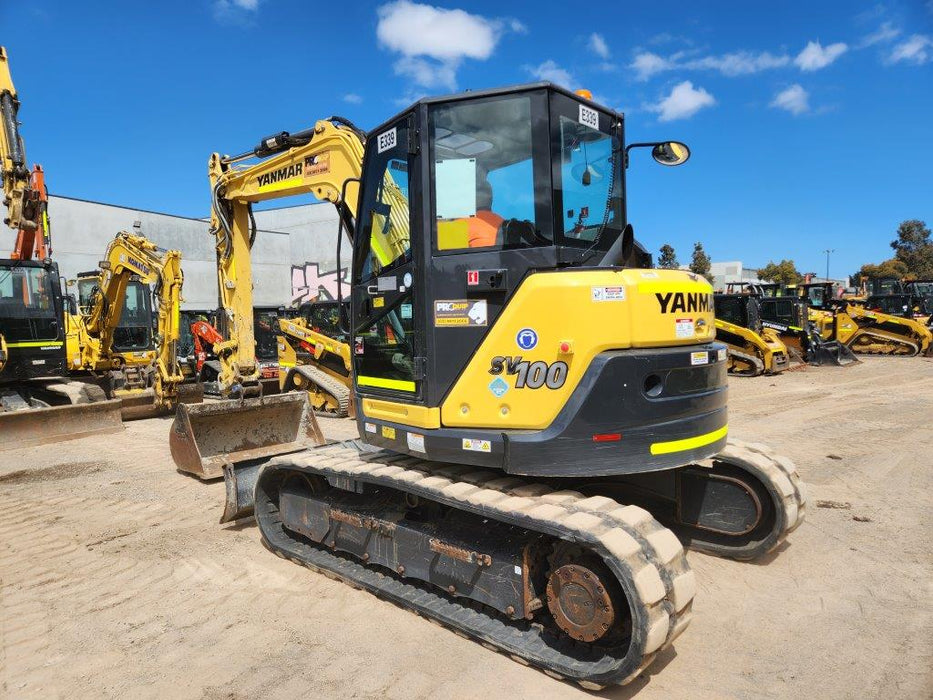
828	251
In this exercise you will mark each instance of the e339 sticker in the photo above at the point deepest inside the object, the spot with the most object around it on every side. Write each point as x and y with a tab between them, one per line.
526	339
530	375
589	117
386	140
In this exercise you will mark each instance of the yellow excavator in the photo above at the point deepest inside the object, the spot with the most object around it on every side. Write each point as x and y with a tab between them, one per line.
133	259
323	161
313	357
517	383
861	329
754	349
39	401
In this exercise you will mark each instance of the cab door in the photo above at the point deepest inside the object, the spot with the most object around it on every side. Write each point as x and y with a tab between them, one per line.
387	332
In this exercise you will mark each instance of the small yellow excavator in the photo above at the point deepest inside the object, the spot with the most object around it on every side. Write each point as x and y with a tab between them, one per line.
314	357
517	383
753	348
133	259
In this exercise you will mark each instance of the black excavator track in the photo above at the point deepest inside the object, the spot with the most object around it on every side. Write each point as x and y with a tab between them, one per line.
644	559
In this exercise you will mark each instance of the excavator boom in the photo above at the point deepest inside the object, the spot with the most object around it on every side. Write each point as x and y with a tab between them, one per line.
319	161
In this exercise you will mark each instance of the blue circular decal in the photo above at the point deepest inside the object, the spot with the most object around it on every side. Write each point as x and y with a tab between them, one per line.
526	339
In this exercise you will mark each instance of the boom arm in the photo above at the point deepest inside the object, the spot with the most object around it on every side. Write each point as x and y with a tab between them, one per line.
128	255
24	192
317	161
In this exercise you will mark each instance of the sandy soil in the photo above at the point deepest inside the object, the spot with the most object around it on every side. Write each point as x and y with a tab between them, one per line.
117	580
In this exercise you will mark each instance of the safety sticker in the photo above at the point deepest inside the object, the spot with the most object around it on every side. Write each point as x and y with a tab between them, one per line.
498	387
415	442
474	445
386	140
526	338
649	275
379	302
386	284
371	428
388	432
683	327
460	312
472	278
358	345
721	355
608	293
699	358
589	117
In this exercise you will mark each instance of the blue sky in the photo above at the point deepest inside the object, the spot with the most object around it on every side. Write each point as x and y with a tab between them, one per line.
809	122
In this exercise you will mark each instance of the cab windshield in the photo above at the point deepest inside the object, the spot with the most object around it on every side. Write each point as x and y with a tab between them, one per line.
25	292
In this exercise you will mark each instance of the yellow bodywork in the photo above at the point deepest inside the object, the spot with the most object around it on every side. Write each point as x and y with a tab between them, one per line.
3	352
573	310
320	167
857	327
89	337
767	346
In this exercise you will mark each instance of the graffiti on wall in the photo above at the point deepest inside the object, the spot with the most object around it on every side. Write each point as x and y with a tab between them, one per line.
310	284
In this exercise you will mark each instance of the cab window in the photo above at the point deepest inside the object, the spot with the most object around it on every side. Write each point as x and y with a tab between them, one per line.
486	161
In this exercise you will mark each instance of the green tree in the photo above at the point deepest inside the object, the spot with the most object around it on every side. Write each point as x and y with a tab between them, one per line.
889	269
784	272
700	262
914	248
668	258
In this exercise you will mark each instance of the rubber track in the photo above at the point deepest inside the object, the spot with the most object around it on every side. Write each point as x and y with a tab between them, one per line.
888	344
781	479
759	366
647	558
330	386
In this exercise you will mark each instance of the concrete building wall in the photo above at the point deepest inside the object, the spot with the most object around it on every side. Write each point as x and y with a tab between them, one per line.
294	250
731	271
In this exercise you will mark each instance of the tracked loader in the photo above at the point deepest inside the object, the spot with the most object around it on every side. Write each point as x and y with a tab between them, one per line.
315	357
787	315
754	349
863	330
519	388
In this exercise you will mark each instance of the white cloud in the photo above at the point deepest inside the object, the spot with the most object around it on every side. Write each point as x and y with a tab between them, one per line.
446	35
793	99
814	56
234	11
429	74
740	63
598	46
648	64
433	41
352	98
918	49
885	33
552	72
683	102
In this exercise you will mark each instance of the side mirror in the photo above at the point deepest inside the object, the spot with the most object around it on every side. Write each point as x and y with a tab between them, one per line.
628	242
671	153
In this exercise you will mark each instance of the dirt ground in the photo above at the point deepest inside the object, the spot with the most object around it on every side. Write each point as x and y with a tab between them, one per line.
117	581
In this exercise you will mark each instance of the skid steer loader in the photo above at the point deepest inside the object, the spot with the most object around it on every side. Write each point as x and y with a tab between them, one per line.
753	348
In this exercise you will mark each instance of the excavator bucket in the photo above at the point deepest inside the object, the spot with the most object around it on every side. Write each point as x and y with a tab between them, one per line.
45	425
207	436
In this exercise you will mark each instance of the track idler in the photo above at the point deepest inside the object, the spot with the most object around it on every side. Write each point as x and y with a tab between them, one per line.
741	503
